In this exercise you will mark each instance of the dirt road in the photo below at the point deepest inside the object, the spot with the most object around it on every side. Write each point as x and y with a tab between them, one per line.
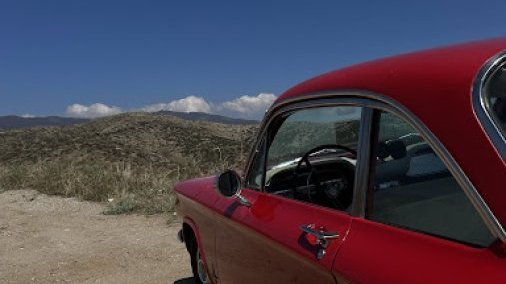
47	239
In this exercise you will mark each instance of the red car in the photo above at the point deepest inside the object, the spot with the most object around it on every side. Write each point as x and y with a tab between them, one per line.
391	171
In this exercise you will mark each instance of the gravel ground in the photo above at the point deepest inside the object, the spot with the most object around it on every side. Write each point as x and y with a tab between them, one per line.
48	239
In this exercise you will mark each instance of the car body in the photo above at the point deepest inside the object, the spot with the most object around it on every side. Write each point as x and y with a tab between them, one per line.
391	171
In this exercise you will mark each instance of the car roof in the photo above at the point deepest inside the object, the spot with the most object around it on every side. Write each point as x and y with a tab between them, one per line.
397	76
436	86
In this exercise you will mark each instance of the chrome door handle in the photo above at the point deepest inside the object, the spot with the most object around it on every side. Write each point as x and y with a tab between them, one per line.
322	237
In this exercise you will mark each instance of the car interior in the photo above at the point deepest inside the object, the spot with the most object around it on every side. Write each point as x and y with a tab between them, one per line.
322	176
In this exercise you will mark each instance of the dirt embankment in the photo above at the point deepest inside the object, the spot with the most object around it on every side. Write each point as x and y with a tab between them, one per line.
47	239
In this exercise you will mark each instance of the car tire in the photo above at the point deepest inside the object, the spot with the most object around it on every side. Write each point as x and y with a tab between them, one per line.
199	270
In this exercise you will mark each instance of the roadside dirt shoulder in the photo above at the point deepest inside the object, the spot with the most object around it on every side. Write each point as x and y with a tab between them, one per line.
48	239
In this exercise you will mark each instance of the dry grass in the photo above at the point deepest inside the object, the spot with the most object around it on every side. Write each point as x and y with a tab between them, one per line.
132	159
132	190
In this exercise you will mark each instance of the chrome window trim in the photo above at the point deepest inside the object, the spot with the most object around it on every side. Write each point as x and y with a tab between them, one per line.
480	105
361	183
373	100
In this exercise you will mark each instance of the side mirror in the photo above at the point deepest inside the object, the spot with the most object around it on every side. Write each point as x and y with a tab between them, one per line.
228	184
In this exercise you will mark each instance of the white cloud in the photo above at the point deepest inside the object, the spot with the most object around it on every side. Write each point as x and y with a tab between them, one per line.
250	106
27	115
92	111
188	104
245	106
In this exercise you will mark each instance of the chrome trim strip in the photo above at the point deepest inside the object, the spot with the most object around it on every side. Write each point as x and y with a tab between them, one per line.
480	105
363	163
381	102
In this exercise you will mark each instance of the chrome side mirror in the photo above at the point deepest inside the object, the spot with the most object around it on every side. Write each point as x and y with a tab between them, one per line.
228	184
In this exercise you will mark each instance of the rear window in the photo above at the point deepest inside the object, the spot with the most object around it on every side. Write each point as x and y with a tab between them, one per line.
495	98
414	190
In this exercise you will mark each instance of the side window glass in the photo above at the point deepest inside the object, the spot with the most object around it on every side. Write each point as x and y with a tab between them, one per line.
495	98
413	189
256	170
312	156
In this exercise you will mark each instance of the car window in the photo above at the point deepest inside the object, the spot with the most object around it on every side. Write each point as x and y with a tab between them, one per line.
413	189
495	98
312	156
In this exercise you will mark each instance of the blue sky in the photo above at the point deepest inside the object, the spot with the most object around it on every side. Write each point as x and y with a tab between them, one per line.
133	55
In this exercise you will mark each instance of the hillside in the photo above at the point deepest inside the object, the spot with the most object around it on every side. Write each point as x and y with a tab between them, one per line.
202	116
132	158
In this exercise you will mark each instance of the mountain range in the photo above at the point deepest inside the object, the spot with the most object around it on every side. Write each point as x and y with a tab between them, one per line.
15	122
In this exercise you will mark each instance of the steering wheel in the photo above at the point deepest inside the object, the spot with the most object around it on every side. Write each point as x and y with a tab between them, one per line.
339	195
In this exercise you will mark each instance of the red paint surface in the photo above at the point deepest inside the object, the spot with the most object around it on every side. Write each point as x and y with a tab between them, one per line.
377	253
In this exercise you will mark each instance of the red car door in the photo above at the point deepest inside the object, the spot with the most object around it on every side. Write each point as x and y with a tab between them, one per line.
300	186
264	243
